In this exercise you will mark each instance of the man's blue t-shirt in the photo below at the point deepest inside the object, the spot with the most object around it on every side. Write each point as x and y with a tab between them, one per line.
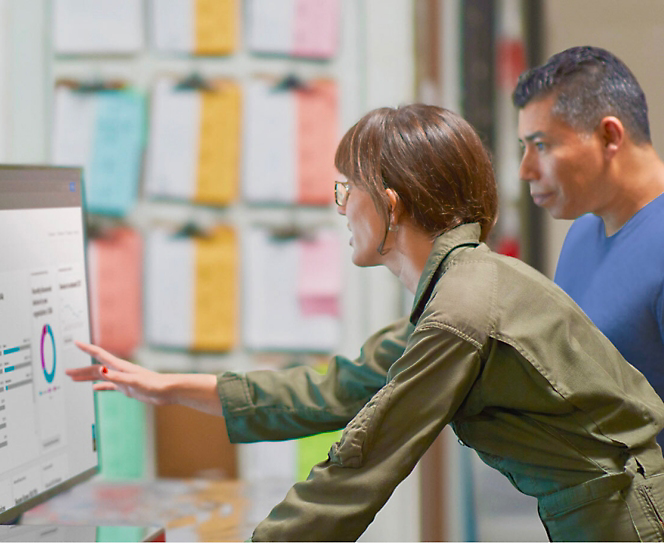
619	282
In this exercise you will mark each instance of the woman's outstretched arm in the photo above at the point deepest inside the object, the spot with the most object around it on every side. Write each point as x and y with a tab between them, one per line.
192	390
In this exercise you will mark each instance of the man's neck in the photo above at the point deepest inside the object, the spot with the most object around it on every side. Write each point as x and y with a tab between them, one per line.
636	179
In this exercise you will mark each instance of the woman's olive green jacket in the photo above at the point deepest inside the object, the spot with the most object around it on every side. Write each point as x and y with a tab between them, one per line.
493	348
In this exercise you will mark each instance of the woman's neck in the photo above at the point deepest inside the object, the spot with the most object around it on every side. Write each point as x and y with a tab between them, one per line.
408	256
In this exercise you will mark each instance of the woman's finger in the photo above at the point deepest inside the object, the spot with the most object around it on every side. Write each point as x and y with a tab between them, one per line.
117	377
106	358
86	373
104	386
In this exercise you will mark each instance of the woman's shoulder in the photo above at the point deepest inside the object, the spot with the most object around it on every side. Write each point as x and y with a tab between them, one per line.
481	291
462	299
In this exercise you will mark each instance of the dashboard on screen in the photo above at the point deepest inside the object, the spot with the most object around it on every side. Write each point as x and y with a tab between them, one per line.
48	436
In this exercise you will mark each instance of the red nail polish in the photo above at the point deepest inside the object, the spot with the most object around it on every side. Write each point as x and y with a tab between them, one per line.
104	369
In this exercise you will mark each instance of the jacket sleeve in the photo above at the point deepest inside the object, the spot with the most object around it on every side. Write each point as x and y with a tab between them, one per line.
296	402
381	445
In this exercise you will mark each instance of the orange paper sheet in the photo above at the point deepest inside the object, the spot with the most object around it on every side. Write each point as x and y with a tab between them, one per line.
117	293
317	138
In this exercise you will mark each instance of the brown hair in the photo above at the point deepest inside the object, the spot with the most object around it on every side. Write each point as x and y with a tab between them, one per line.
431	157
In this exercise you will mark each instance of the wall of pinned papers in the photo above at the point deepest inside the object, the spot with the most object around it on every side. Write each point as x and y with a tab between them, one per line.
186	287
202	158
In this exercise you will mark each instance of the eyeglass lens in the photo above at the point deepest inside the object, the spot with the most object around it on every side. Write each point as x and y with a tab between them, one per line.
340	193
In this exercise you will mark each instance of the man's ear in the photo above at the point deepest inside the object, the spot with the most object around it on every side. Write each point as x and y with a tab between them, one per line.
612	134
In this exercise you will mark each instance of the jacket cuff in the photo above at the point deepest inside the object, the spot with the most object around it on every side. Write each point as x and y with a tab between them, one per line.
233	392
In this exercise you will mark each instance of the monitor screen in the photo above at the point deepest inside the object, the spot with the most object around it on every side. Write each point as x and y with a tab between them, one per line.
47	422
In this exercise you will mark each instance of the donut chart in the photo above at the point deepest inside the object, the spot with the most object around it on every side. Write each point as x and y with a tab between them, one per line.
48	359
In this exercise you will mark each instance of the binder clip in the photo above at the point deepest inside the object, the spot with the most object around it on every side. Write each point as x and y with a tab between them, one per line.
191	230
289	232
291	83
95	85
99	227
194	82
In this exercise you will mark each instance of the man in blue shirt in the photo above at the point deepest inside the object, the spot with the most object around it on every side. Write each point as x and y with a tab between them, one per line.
587	155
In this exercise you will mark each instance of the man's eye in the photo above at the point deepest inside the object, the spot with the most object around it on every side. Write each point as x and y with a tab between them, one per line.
539	146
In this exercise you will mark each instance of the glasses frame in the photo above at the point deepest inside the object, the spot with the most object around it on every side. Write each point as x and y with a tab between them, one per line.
341	194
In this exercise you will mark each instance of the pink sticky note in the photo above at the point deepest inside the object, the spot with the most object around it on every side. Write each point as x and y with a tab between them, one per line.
316	28
319	275
116	291
317	138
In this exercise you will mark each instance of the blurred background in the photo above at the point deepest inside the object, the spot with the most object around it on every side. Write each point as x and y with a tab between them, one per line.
207	129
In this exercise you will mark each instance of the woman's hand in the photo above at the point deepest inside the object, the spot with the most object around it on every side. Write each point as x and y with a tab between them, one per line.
117	374
193	390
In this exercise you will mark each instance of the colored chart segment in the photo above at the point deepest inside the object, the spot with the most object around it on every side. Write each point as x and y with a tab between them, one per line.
48	356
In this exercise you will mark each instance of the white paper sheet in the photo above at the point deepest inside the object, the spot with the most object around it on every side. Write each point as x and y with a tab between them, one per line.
73	127
169	289
173	24
97	26
172	158
270	132
270	26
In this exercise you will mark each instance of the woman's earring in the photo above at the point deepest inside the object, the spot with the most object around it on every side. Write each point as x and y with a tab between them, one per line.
393	227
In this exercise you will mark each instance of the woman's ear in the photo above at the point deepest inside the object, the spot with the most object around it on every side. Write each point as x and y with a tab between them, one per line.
396	207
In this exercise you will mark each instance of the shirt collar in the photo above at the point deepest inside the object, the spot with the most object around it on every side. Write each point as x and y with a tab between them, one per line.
463	235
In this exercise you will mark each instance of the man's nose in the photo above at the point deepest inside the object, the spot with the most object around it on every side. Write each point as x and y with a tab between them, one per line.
528	169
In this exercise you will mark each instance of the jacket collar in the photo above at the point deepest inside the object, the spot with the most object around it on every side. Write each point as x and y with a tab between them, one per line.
443	246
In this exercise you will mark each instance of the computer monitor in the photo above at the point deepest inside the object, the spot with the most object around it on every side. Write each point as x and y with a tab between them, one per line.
47	422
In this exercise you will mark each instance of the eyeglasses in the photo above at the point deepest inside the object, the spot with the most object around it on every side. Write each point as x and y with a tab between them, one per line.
341	192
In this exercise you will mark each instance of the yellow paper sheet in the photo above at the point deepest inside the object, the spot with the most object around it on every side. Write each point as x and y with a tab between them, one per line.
215	26
219	151
215	293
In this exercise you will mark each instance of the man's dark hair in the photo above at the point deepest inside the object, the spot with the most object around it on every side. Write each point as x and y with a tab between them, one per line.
589	83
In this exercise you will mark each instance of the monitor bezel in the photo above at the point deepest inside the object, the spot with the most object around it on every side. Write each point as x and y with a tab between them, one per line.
12	515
